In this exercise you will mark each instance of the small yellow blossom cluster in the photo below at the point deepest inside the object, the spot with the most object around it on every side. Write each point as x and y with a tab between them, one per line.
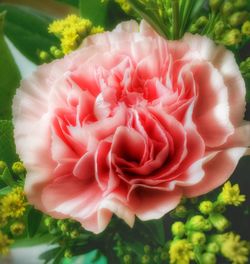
235	249
5	244
13	204
12	208
230	195
228	23
72	30
198	232
181	252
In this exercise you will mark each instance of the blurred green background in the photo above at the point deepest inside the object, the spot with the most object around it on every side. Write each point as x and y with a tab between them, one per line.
240	218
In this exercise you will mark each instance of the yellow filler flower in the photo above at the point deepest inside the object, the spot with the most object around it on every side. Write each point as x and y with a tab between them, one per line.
5	243
235	249
181	252
72	30
14	204
230	195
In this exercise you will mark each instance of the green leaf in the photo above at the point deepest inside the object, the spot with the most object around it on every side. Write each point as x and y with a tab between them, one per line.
74	3
7	145
151	17
156	229
7	177
34	241
197	6
189	10
9	76
28	30
55	254
34	221
5	190
59	257
48	255
94	10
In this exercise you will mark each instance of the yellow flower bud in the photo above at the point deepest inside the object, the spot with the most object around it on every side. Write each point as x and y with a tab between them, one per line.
127	259
219	221
238	18
197	238
196	223
68	254
246	28
212	247
3	165
146	249
208	226
219	28
208	258
17	228
74	234
227	8
201	21
124	5
206	207
178	229
18	168
232	37
145	259
44	56
193	29
64	228
58	54
53	49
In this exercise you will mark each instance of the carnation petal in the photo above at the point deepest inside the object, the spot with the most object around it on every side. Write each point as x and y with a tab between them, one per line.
217	171
110	206
225	62
212	106
149	203
240	137
127	26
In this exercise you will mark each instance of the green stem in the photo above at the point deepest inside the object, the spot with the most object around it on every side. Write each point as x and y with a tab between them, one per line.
185	14
175	21
208	30
149	16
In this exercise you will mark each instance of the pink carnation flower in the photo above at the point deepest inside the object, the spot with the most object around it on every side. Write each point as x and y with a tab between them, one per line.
128	124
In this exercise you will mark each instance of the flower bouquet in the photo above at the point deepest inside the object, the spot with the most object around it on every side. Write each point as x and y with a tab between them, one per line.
120	125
